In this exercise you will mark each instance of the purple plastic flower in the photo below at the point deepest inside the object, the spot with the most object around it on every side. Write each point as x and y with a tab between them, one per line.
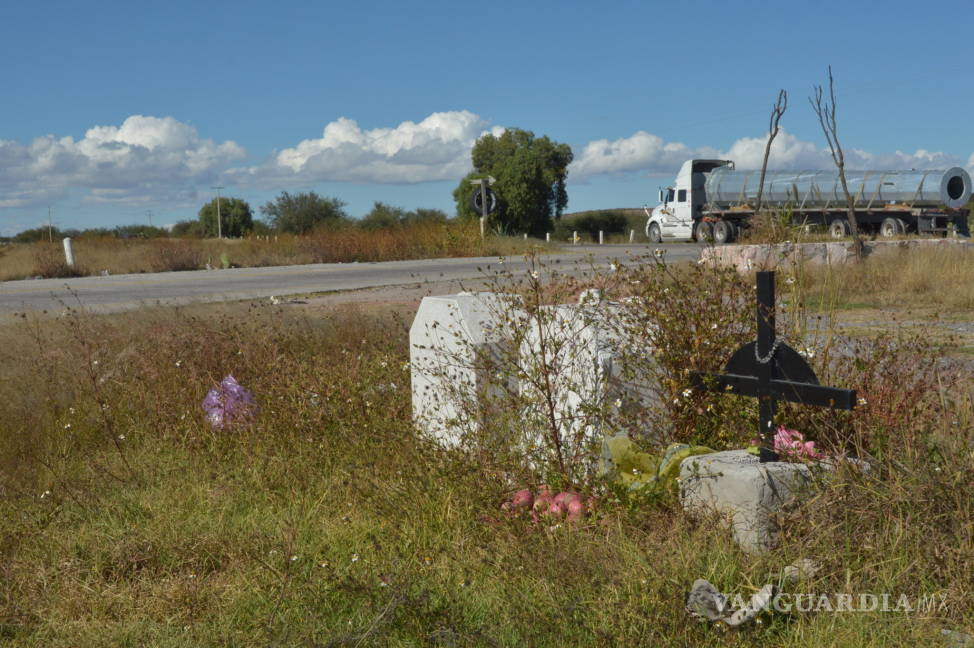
228	404
213	400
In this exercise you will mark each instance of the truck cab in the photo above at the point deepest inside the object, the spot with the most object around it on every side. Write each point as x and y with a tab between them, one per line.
680	212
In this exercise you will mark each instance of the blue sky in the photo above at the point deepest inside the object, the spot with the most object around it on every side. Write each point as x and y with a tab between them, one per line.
116	110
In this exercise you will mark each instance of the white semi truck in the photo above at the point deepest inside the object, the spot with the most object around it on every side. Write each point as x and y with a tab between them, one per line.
712	201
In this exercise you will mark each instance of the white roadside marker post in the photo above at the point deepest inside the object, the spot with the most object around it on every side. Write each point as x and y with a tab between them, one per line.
68	252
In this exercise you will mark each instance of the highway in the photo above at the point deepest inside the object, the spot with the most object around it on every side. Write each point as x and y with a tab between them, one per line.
131	291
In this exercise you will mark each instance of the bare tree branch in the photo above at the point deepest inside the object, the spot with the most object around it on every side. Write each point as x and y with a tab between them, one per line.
825	110
777	110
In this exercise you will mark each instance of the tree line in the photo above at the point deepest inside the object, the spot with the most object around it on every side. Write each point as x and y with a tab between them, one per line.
298	213
289	213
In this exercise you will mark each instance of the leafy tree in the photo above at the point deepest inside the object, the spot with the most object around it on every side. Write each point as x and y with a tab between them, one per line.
530	174
139	231
189	228
423	215
261	228
303	212
39	234
96	233
236	219
383	215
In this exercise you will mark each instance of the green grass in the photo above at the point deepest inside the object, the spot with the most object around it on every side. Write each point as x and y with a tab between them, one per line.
329	522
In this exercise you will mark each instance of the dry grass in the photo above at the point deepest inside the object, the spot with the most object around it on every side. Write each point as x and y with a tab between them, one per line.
126	520
941	277
95	256
49	261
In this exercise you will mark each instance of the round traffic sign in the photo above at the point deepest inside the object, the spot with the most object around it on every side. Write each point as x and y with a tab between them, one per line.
477	201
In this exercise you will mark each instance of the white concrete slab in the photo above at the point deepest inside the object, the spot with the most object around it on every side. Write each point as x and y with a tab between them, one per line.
448	340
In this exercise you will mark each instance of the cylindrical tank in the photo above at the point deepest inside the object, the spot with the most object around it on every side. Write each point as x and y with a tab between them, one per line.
809	189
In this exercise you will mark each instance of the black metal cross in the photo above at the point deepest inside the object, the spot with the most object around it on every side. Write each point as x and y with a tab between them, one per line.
771	371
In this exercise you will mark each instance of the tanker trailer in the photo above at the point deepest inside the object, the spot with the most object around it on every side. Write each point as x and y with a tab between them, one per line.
711	200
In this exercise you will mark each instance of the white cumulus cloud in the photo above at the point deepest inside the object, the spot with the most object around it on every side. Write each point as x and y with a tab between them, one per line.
640	152
145	158
644	152
787	152
437	148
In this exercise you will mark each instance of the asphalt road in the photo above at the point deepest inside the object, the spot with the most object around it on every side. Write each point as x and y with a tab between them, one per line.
131	291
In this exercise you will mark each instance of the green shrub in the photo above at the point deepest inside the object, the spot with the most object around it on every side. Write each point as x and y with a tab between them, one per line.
188	229
591	223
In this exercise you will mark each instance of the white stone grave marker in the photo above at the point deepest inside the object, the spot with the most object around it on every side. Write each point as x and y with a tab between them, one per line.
445	338
578	345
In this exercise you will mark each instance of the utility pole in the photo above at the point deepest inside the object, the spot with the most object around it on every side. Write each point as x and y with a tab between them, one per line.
148	213
50	227
219	226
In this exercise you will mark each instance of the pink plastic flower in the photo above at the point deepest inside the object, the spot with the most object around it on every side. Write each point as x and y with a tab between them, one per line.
791	444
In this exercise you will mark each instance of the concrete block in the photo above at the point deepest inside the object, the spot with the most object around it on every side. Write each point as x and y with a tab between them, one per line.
745	492
446	338
747	258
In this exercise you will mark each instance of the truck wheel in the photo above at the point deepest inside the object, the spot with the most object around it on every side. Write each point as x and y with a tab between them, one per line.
891	227
653	233
704	232
724	232
839	228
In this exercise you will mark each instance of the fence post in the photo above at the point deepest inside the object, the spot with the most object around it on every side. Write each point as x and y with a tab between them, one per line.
601	237
575	238
632	233
68	252
547	237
